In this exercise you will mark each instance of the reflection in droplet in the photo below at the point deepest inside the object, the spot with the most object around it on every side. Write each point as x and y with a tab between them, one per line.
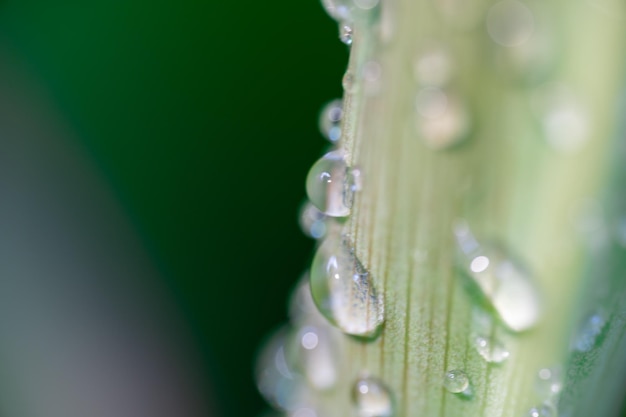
590	329
345	32
339	9
505	283
344	291
549	383
312	221
318	356
433	66
442	120
330	120
456	381
275	379
491	351
510	23
325	184
372	398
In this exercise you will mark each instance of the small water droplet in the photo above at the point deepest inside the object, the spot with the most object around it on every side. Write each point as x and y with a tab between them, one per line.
492	352
318	356
345	32
510	23
505	283
330	120
312	221
344	290
339	9
543	410
372	398
433	66
564	120
549	383
456	381
348	84
326	184
276	381
442	120
587	336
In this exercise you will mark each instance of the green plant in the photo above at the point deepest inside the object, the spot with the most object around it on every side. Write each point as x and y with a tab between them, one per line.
477	191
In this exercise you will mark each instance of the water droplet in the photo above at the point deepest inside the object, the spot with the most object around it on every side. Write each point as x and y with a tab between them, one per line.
344	290
492	352
326	184
544	410
510	23
366	4
549	383
312	221
330	120
319	353
348	84
345	32
442	120
588	332
276	381
505	283
372	398
433	66
339	9
564	121
456	381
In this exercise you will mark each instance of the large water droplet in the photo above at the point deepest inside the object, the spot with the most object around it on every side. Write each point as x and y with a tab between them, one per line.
344	291
590	329
276	381
492	352
345	32
543	410
326	185
442	119
549	383
433	66
372	398
318	356
505	283
339	9
330	120
510	23
312	221
456	381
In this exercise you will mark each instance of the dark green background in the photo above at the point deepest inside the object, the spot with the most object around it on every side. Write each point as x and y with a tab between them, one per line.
202	115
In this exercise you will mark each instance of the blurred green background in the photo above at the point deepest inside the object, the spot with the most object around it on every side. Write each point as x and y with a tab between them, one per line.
203	118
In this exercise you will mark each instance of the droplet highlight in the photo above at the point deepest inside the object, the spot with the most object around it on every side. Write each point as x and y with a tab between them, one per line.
345	33
326	185
344	291
318	356
330	120
492	352
505	283
510	23
372	398
456	381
